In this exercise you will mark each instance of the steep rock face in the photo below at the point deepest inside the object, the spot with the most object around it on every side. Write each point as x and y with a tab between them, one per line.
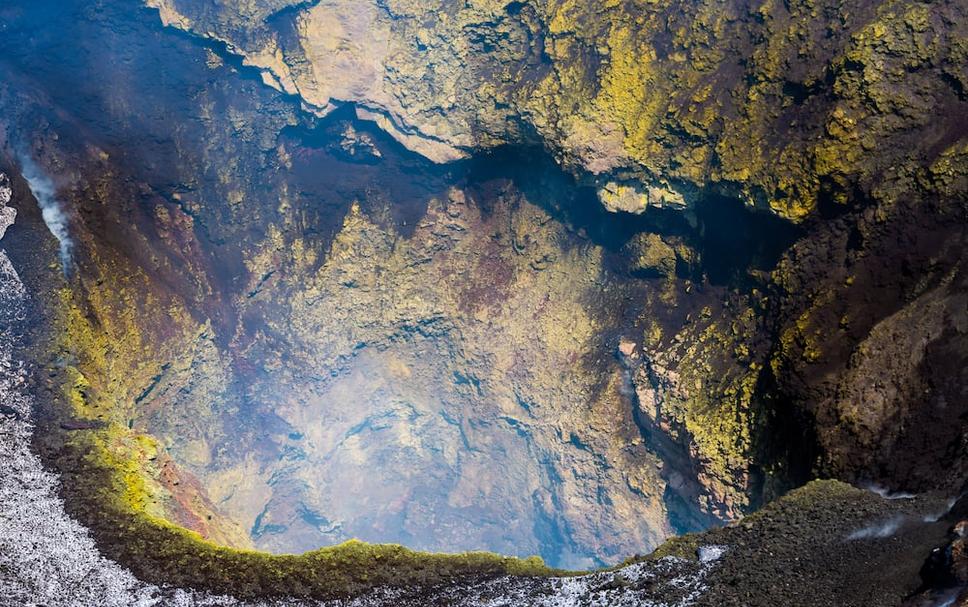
886	387
782	106
241	275
444	350
456	381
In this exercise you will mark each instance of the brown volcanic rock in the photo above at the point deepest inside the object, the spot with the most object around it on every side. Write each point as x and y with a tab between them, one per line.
449	383
451	333
874	345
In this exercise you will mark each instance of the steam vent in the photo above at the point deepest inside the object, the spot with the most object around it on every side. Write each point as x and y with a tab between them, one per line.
531	303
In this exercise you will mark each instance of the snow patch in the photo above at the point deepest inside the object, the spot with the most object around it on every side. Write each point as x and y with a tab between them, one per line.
709	554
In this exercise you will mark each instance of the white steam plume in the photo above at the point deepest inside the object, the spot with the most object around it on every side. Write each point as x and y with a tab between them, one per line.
44	191
888	494
882	530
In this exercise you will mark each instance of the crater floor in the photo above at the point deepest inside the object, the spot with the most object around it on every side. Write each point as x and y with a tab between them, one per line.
458	388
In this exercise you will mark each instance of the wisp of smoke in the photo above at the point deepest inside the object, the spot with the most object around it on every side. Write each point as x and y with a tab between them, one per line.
44	191
937	516
885	529
947	599
888	494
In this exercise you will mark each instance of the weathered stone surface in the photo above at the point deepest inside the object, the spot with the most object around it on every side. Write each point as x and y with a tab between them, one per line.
766	101
439	380
650	254
899	374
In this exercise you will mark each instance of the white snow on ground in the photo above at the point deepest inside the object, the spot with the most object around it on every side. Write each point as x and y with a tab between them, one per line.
45	557
585	591
48	559
710	554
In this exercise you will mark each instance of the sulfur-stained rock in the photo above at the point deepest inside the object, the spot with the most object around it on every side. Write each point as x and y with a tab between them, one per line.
769	102
650	255
447	354
621	197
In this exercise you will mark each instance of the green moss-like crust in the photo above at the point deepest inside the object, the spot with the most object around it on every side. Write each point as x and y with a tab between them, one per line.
110	476
111	498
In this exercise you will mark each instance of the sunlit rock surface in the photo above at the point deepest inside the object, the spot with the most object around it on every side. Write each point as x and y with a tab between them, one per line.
455	382
438	345
768	102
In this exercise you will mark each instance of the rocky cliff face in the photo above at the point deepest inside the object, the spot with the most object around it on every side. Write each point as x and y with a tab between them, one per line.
650	266
441	344
655	103
682	106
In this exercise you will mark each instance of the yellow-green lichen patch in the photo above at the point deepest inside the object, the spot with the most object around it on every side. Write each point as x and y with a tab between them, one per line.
110	493
121	480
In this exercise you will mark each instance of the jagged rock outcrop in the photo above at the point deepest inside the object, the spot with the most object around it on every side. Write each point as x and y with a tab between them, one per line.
873	345
449	322
655	103
453	375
